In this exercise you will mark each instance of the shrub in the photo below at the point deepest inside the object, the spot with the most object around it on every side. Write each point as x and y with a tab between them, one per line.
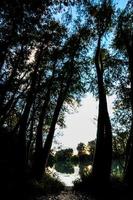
47	185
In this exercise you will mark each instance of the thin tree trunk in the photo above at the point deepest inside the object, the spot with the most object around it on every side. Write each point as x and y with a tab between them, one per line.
49	139
39	133
31	129
39	138
22	165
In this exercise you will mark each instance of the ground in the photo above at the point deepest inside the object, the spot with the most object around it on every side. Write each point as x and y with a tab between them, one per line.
67	194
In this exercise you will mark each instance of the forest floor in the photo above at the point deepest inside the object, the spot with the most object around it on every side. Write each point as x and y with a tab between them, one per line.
68	194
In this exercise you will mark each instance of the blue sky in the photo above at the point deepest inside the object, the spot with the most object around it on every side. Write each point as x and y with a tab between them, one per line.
121	3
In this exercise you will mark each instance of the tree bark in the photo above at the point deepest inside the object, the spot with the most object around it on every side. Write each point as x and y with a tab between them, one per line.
39	133
22	126
49	139
128	176
48	143
39	137
103	154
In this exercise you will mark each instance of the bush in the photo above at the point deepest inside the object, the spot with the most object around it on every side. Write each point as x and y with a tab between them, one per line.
85	184
118	188
47	185
115	189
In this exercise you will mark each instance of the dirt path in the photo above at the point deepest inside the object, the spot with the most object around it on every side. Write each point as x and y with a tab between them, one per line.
66	195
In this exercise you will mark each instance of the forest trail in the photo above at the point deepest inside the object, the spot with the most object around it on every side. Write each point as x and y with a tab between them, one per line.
68	194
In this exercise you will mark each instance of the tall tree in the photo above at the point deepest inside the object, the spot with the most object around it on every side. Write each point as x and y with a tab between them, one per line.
101	14
124	42
70	82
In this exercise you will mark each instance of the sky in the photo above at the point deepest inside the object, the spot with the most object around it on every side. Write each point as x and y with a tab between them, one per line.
81	126
121	3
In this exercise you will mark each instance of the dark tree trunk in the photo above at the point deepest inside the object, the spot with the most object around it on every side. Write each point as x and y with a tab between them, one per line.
48	143
22	136
129	157
103	154
39	138
39	134
7	86
22	126
31	129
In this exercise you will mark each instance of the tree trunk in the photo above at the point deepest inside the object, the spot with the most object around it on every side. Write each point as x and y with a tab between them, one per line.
39	138
22	126
103	154
48	143
39	134
128	176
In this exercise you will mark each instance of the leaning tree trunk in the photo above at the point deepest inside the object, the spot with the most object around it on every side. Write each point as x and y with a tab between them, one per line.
39	138
22	155
49	139
22	126
44	153
103	154
39	134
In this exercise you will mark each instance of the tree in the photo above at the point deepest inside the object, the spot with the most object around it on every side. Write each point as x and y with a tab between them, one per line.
99	20
20	23
82	149
102	18
124	42
64	155
119	145
92	146
70	85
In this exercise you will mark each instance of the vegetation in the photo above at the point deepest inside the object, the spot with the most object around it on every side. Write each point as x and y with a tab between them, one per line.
47	185
48	64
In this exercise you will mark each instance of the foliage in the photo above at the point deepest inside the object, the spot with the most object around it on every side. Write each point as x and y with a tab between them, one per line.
75	159
91	147
64	167
47	185
82	149
51	160
119	145
84	183
64	154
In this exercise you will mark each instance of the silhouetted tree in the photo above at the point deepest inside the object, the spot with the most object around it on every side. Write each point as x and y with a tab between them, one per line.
102	17
70	82
124	42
